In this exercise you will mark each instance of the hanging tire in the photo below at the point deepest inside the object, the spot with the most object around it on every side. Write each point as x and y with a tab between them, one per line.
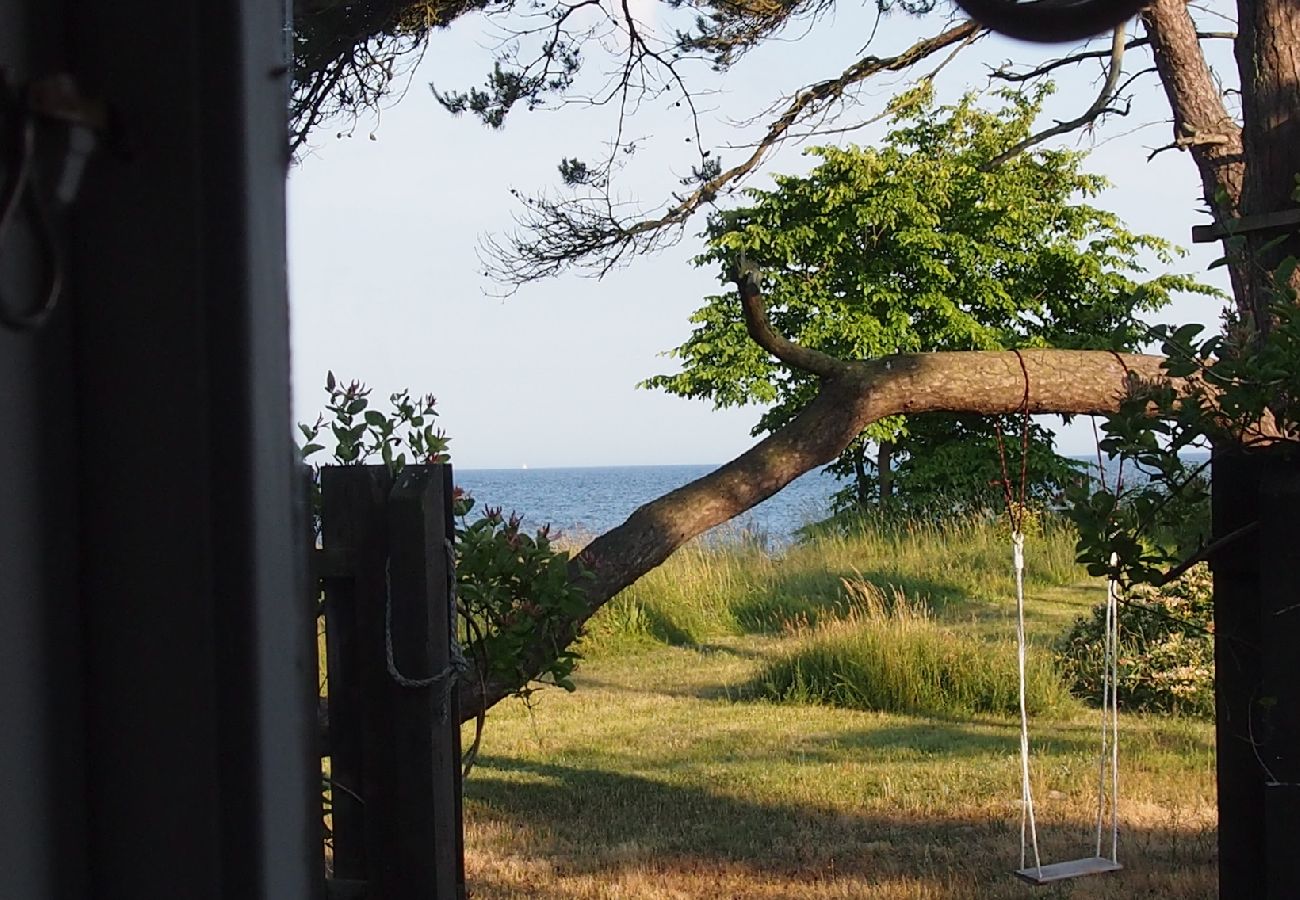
1051	21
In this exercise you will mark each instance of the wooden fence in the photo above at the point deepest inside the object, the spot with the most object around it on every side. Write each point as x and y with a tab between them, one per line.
393	737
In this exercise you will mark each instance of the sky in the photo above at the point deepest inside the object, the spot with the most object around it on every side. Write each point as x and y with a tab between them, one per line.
386	223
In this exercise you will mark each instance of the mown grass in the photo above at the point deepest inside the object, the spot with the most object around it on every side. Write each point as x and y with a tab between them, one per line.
667	776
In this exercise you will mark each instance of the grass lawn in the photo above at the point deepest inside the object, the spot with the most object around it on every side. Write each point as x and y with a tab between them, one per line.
665	777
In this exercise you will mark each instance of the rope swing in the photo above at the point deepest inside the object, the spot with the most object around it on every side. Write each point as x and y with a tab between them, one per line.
1107	789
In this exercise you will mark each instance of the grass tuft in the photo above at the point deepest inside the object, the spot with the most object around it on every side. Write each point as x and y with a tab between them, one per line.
889	655
711	589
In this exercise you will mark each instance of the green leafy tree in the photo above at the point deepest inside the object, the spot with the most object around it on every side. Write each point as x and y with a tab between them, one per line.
924	242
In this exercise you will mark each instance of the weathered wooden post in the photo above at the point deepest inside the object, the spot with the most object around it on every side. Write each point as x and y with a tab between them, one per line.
1257	673
1278	701
394	731
410	770
352	539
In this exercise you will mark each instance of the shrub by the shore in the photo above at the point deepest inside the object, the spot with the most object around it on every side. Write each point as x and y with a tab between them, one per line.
1166	648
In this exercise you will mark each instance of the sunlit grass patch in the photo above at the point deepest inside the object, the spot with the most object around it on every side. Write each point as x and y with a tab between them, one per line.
665	776
658	780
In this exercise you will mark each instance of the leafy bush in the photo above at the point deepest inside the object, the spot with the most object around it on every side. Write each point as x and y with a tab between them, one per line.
511	585
1166	648
889	655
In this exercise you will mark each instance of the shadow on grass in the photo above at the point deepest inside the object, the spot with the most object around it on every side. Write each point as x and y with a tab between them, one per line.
939	737
588	822
662	628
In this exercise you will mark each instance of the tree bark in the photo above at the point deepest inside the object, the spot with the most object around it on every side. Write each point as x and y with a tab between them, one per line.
1202	124
885	470
1268	58
861	484
1081	382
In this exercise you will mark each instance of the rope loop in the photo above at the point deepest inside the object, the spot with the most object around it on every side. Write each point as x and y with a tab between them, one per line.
458	665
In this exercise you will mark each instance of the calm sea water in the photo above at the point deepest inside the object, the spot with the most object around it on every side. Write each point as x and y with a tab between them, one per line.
589	501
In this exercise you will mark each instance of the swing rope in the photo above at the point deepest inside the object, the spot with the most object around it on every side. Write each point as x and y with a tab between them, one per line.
1110	719
1110	684
1016	507
1016	511
1028	825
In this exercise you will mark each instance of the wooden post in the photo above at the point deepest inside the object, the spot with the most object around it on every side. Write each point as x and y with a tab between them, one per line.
306	526
1257	674
455	752
1236	676
394	733
413	844
352	523
1277	704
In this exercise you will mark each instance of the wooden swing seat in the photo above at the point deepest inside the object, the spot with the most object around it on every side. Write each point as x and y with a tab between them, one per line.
1075	868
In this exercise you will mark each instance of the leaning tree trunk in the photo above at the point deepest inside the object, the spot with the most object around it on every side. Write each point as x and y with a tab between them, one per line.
1080	382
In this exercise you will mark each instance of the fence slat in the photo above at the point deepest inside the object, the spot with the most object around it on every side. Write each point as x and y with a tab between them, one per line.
353	525
403	716
454	753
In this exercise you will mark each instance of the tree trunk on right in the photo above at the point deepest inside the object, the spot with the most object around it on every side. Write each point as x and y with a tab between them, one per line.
1257	581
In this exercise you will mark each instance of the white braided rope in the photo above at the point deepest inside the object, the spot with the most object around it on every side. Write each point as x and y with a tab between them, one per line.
1028	825
1109	720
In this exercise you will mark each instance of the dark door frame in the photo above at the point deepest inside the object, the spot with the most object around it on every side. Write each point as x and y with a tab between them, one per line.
159	671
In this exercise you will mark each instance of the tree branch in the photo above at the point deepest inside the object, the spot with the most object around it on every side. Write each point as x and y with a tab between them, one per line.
558	234
1060	381
1075	58
1205	553
1098	108
1197	105
760	329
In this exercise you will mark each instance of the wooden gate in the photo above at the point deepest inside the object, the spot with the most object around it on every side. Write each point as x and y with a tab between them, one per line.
386	567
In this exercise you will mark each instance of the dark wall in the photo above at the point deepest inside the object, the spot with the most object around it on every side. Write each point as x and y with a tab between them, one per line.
41	739
157	654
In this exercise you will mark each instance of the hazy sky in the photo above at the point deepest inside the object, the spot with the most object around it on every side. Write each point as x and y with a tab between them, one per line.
387	286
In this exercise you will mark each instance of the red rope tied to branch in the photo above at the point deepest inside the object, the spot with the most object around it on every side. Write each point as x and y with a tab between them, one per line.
1016	506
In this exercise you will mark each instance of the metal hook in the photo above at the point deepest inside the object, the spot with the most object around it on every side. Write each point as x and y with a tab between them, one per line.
1052	21
21	191
57	100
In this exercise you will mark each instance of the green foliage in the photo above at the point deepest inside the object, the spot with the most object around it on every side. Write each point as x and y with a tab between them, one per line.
916	245
889	655
1166	648
951	465
511	585
1243	389
361	433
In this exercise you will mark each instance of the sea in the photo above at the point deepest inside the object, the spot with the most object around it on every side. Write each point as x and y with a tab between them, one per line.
587	501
